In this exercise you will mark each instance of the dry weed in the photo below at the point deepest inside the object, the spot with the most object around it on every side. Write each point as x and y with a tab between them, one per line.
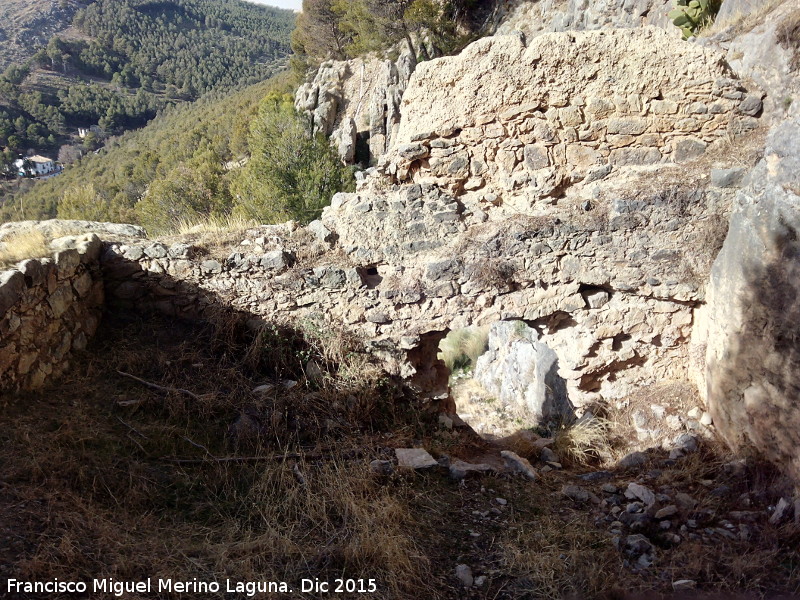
583	442
558	559
30	243
461	348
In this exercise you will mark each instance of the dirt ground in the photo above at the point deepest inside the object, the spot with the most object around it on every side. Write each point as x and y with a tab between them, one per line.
105	477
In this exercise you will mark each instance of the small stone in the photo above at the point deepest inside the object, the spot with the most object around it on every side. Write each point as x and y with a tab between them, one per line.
725	178
464	574
275	260
634	459
479	581
609	488
634	507
665	525
706	419
575	492
460	469
501	501
686	442
548	456
751	105
596	476
516	463
682	585
321	232
262	390
638	544
781	512
667	511
636	490
415	458
211	266
694	413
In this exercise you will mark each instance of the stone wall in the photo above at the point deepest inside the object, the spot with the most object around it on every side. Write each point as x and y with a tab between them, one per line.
551	196
514	123
536	17
48	307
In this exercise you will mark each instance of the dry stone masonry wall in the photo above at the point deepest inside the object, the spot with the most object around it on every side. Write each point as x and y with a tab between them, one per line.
512	123
48	308
450	231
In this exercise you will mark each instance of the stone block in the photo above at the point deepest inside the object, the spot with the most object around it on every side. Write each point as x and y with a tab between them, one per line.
67	262
12	284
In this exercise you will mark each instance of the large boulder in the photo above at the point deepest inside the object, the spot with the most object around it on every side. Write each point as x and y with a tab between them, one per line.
753	312
522	372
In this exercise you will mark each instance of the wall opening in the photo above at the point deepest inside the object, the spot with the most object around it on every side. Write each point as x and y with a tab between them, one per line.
504	379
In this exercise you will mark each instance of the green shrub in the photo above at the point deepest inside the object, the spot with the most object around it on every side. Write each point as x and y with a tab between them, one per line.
690	16
291	173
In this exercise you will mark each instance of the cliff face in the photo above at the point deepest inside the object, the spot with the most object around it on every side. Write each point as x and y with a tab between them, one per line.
357	104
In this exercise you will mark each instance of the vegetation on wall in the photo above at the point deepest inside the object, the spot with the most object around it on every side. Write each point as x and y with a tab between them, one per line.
690	16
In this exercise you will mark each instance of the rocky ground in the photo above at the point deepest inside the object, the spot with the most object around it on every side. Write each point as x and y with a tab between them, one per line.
109	477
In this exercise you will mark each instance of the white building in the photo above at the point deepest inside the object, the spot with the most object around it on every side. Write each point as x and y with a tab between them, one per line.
39	165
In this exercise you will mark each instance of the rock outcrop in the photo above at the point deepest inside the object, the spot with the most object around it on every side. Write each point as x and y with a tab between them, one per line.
357	103
522	372
752	319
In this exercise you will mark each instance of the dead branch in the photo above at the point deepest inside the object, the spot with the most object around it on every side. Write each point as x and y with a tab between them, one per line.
160	388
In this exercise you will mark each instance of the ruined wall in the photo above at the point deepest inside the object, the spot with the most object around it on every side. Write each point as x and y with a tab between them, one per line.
536	17
48	307
512	123
608	271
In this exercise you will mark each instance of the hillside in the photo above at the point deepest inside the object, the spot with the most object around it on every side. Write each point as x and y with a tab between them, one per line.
118	63
214	129
25	26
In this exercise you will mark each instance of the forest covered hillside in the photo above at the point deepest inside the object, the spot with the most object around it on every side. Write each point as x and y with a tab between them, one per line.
117	63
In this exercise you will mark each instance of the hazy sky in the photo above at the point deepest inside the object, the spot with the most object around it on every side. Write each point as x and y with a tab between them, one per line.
293	4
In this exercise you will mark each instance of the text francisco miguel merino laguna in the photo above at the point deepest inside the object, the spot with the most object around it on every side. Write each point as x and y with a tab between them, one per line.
249	588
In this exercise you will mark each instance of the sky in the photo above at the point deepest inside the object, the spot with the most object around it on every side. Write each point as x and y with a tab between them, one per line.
293	4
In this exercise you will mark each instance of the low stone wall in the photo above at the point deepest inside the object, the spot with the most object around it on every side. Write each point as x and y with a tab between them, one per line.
48	307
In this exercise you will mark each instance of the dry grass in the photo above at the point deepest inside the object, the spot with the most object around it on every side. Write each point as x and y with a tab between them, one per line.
30	243
215	230
583	442
461	348
743	22
302	504
562	558
788	34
